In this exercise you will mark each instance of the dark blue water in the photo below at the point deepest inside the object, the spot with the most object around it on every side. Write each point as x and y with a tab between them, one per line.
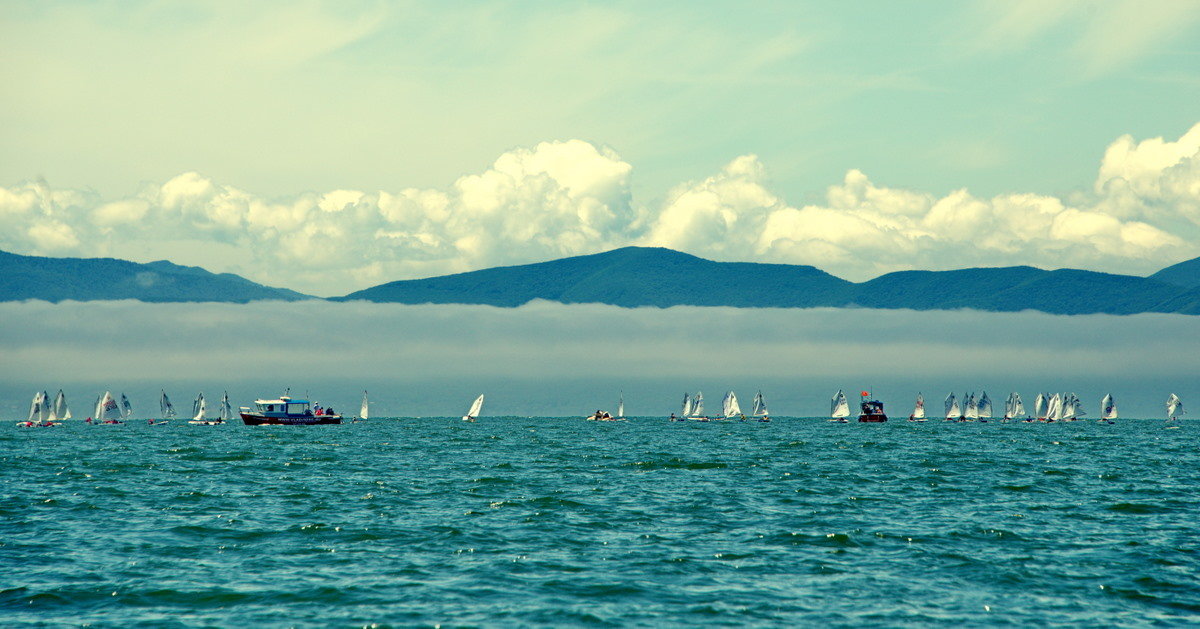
515	521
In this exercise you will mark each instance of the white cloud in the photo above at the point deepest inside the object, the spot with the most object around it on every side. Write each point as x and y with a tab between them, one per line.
573	197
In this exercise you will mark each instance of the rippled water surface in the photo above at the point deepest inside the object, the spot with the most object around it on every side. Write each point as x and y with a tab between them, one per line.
539	521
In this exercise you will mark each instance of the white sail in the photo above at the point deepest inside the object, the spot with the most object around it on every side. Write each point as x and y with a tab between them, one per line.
167	410
985	406
621	406
1174	406
35	408
226	410
109	409
1054	408
199	408
99	409
952	409
1039	406
1018	405
972	407
698	405
362	412
46	408
126	407
687	406
1108	407
839	407
58	410
919	407
1077	406
1008	407
759	406
476	407
730	406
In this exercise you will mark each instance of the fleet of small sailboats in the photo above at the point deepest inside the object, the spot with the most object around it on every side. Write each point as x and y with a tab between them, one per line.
1048	407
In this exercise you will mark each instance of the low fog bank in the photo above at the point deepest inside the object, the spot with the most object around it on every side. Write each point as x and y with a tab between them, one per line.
554	359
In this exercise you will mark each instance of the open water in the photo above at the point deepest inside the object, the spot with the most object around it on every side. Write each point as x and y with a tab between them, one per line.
540	521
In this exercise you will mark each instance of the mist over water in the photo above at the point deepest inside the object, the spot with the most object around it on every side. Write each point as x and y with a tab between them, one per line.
554	359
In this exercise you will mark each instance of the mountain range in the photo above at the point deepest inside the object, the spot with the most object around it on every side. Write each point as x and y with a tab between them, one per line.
642	276
90	279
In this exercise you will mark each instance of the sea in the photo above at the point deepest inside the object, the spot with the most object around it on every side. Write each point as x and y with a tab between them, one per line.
553	521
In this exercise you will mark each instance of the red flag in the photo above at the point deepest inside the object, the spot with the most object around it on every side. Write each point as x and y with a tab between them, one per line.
865	393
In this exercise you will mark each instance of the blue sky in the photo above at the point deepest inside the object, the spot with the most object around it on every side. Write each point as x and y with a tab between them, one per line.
761	108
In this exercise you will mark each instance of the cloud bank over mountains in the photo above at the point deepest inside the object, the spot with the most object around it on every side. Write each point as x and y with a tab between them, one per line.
573	197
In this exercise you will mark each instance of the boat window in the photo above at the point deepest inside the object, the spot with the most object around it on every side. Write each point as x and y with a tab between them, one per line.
296	409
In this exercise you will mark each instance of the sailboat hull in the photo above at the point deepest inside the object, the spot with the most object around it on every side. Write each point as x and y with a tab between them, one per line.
254	419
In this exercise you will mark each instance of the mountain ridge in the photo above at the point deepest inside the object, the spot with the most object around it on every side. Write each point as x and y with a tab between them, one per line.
640	276
652	276
89	279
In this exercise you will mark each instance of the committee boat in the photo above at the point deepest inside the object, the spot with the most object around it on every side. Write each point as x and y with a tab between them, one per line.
872	409
287	411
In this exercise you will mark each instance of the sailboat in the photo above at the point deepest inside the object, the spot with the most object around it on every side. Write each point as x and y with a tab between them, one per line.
1018	408
1040	406
953	412
759	408
107	410
126	407
199	410
1054	408
985	407
1076	408
697	412
363	411
1010	407
166	410
226	411
605	416
1108	409
60	408
730	407
839	408
685	410
1174	407
970	408
41	413
476	407
918	414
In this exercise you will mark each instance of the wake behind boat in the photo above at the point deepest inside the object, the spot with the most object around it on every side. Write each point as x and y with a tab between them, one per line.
287	411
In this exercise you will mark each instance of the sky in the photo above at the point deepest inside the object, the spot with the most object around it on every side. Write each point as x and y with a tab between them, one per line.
328	147
567	360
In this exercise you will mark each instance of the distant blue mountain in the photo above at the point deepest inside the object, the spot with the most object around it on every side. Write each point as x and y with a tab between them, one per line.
1185	274
89	279
638	276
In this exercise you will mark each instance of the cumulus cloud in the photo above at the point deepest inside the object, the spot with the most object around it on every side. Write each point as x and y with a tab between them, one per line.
573	197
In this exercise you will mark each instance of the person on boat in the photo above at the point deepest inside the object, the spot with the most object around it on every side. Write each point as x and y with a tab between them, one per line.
672	417
329	411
